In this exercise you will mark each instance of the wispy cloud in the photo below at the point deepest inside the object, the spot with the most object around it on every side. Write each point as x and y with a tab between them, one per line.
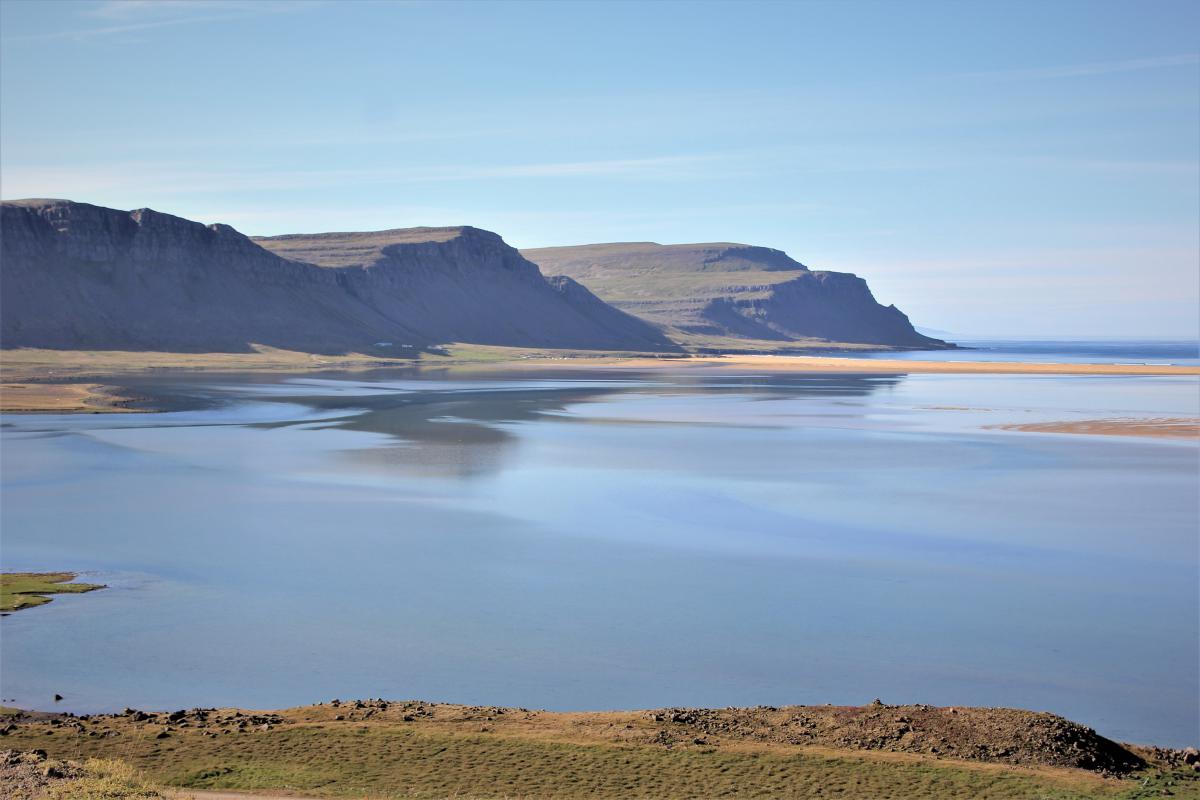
128	9
115	17
182	179
1093	68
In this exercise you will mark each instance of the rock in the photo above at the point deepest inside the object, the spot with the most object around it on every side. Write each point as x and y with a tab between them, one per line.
78	276
763	294
57	697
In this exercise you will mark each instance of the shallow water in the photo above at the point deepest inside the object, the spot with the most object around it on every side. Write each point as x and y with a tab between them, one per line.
608	541
1180	352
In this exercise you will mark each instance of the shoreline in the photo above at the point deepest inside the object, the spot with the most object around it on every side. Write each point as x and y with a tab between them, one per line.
42	381
817	364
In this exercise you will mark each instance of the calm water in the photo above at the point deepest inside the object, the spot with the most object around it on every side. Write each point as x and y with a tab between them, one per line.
1114	351
614	542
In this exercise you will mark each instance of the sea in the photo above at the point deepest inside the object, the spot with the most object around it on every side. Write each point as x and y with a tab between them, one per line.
591	539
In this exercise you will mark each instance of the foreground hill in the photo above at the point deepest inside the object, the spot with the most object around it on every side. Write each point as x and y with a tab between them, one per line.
732	291
376	748
78	276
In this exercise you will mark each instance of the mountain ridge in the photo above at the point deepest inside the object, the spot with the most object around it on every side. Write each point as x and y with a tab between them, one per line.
728	290
79	276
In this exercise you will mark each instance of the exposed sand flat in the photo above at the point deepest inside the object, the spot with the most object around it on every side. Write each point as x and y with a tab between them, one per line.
73	380
1169	427
772	363
60	397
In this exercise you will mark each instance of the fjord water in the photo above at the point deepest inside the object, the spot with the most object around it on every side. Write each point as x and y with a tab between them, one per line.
614	541
1180	352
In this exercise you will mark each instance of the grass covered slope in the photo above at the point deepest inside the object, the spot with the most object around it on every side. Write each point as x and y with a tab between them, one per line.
704	294
27	589
424	750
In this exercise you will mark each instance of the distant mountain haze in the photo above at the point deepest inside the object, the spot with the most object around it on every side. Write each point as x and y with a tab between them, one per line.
732	290
79	276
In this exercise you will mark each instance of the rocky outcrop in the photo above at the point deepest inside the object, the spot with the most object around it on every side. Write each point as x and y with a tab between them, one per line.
836	306
78	276
725	290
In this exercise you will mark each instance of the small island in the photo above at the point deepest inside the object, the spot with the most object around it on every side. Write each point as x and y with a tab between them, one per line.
20	590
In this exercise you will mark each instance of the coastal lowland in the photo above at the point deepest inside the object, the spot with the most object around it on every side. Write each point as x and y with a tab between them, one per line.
377	748
20	590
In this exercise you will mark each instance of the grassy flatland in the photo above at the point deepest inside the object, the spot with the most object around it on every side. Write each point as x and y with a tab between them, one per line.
421	750
26	589
350	249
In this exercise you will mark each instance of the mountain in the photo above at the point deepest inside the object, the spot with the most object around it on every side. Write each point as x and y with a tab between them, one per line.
722	291
79	276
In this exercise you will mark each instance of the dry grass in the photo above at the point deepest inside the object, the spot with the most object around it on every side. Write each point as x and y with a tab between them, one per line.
60	397
104	779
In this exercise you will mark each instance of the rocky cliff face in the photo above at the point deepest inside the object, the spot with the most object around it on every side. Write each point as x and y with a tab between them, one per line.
431	279
726	290
79	276
836	306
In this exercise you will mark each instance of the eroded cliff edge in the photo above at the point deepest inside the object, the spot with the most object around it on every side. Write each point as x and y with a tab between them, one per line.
733	291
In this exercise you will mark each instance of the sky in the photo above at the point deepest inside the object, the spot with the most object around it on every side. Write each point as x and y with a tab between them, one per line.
992	168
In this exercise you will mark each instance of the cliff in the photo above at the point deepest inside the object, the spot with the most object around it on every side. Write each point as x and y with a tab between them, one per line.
78	276
432	279
733	291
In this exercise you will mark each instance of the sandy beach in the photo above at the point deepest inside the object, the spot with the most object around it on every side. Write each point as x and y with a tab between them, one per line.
789	364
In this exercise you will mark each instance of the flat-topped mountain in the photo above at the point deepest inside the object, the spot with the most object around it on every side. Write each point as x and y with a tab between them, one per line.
78	276
732	291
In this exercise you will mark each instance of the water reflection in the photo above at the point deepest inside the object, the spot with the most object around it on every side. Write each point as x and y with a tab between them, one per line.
452	431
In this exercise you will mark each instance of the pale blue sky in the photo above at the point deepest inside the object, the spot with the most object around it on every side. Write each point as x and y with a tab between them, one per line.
992	168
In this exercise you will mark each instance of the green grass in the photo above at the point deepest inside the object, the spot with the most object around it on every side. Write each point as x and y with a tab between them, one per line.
26	589
348	760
